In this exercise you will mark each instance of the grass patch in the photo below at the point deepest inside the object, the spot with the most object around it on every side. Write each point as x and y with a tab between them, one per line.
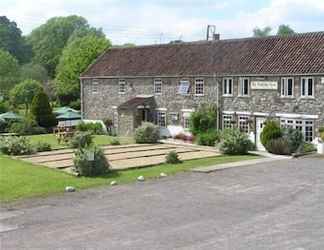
98	139
20	179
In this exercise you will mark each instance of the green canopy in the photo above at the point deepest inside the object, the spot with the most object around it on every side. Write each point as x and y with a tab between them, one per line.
69	115
10	116
63	110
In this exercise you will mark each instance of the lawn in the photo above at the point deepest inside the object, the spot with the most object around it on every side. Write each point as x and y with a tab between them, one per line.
98	139
20	179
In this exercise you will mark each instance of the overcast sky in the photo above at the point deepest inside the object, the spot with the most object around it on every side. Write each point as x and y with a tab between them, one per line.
146	22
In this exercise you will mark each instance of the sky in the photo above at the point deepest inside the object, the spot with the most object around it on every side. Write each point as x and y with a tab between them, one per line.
160	21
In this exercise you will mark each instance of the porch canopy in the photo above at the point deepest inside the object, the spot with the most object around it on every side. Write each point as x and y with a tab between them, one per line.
138	102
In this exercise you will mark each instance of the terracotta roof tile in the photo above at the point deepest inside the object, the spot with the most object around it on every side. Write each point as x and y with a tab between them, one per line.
296	54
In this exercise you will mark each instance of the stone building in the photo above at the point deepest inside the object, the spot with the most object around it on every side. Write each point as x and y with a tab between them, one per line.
249	80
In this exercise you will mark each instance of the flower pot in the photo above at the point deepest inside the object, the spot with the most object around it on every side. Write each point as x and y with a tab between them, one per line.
320	148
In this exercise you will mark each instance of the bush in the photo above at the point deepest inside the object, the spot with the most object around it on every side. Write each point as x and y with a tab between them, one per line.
234	142
3	126
86	167
308	147
208	138
81	140
147	133
75	104
204	119
4	107
279	146
172	158
43	146
42	111
270	131
95	128
295	139
27	126
115	141
16	146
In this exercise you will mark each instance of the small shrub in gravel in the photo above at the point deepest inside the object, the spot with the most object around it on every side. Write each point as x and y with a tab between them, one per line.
172	158
147	133
235	142
43	146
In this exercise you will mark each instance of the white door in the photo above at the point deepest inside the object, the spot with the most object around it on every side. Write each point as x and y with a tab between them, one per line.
259	127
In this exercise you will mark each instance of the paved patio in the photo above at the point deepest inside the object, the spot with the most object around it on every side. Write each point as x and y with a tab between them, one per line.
124	156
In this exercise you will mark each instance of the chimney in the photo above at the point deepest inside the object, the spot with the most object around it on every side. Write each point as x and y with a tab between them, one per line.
216	37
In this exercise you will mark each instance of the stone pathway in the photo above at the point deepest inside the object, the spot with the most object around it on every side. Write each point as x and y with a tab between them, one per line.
122	156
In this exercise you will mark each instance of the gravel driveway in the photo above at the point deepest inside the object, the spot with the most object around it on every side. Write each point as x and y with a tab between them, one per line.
275	205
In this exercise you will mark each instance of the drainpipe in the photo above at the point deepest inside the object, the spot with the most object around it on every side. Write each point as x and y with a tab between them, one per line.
217	101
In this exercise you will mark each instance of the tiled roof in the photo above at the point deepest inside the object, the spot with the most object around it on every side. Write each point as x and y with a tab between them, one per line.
135	102
296	54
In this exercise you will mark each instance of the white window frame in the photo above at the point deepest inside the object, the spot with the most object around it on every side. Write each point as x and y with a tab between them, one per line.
160	114
184	81
173	118
242	86
307	95
243	123
122	90
284	87
199	87
186	120
227	121
157	87
226	83
94	87
306	126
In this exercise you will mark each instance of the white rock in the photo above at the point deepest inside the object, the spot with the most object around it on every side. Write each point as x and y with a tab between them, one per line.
113	183
69	189
141	178
163	174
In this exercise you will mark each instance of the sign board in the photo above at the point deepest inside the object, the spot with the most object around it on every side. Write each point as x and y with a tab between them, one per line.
265	85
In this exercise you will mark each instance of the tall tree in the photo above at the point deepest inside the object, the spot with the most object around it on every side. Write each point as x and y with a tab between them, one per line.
259	32
13	41
77	56
24	92
49	40
9	72
34	71
285	30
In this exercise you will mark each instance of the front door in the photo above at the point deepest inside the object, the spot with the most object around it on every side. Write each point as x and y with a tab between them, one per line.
260	121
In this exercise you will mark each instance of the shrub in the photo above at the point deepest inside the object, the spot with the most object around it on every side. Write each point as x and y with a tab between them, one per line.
43	146
4	107
16	146
204	119
95	128
81	140
234	142
27	126
208	138
75	104
279	146
321	129
172	158
115	141
308	147
294	137
88	167
270	131
42	111
3	126
147	133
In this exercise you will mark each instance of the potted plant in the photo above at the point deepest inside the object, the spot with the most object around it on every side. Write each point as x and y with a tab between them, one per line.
320	146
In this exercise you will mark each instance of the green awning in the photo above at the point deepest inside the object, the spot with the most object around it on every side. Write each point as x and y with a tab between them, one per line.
69	115
63	110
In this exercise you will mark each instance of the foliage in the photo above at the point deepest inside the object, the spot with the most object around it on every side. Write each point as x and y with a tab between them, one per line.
172	158
278	146
42	111
9	71
204	119
43	146
294	137
208	138
76	57
270	131
147	133
234	142
262	32
308	147
76	104
3	126
115	142
49	39
13	41
33	71
86	167
24	92
94	128
81	140
321	131
15	145
27	126
285	30
4	107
